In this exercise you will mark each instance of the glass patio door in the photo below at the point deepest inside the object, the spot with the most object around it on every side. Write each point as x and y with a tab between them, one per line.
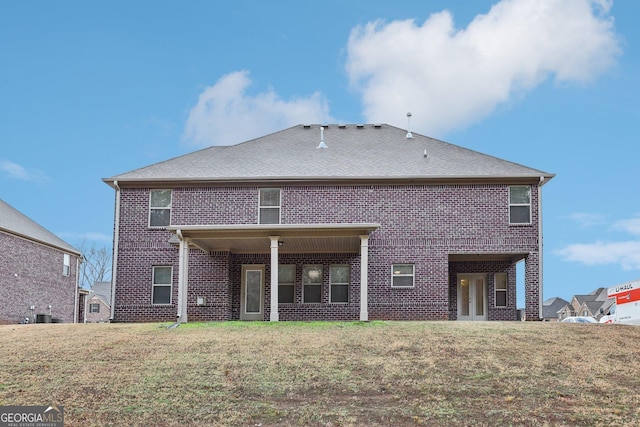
252	293
472	297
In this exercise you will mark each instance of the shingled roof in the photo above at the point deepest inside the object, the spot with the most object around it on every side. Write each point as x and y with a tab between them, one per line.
353	152
16	223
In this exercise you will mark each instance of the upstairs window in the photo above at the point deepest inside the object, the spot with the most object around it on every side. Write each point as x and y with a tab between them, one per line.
160	208
161	292
402	276
286	283
66	265
520	205
94	308
269	206
501	289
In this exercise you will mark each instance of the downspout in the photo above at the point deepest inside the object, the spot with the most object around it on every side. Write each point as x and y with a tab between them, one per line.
114	261
540	245
76	305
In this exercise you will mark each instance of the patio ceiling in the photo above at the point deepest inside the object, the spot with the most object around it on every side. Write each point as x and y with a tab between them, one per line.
292	238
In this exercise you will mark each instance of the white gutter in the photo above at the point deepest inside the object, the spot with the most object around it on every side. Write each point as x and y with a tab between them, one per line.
114	261
540	245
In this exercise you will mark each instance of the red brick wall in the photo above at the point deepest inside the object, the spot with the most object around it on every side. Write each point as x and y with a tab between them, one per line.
420	224
31	274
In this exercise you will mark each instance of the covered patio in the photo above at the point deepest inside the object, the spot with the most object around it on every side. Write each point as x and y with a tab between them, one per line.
273	239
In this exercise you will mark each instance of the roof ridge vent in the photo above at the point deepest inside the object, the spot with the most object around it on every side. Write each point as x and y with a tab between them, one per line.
322	144
409	134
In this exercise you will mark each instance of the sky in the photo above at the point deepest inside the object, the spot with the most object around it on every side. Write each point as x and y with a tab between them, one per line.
89	90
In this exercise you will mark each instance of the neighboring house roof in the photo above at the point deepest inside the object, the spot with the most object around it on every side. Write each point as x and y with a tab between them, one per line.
354	152
552	306
103	290
14	222
100	297
599	294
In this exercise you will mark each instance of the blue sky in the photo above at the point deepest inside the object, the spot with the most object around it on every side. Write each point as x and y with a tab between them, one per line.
92	89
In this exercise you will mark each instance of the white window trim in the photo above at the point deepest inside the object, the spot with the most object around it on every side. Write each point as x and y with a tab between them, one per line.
347	283
260	207
505	290
153	284
311	283
520	204
94	304
412	275
66	264
292	284
158	208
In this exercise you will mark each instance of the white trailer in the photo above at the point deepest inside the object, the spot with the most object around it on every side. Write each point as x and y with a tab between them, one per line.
626	307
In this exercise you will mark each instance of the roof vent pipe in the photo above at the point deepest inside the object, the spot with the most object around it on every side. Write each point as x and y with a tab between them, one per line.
409	134
322	144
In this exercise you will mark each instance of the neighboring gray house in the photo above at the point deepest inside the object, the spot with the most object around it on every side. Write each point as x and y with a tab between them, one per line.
38	271
586	305
98	303
551	307
333	222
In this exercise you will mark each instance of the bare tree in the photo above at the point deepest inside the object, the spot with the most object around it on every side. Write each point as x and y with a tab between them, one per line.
96	266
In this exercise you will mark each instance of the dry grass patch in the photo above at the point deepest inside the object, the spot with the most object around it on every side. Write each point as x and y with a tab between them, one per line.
326	374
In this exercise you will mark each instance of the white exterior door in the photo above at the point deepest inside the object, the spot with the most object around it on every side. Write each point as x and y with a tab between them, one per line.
252	293
472	297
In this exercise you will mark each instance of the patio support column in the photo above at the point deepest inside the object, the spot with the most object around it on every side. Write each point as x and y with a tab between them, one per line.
364	274
274	278
183	278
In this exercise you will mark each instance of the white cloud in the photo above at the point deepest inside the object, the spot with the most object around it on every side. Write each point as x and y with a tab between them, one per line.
15	171
225	114
586	219
626	254
450	78
631	226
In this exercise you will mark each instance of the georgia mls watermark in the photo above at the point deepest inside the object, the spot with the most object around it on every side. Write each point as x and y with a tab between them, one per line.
31	416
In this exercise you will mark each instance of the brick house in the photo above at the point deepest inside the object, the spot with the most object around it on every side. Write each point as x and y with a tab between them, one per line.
38	271
587	305
98	303
339	222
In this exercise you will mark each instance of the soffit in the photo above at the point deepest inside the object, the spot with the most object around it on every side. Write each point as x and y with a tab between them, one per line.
252	239
479	257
